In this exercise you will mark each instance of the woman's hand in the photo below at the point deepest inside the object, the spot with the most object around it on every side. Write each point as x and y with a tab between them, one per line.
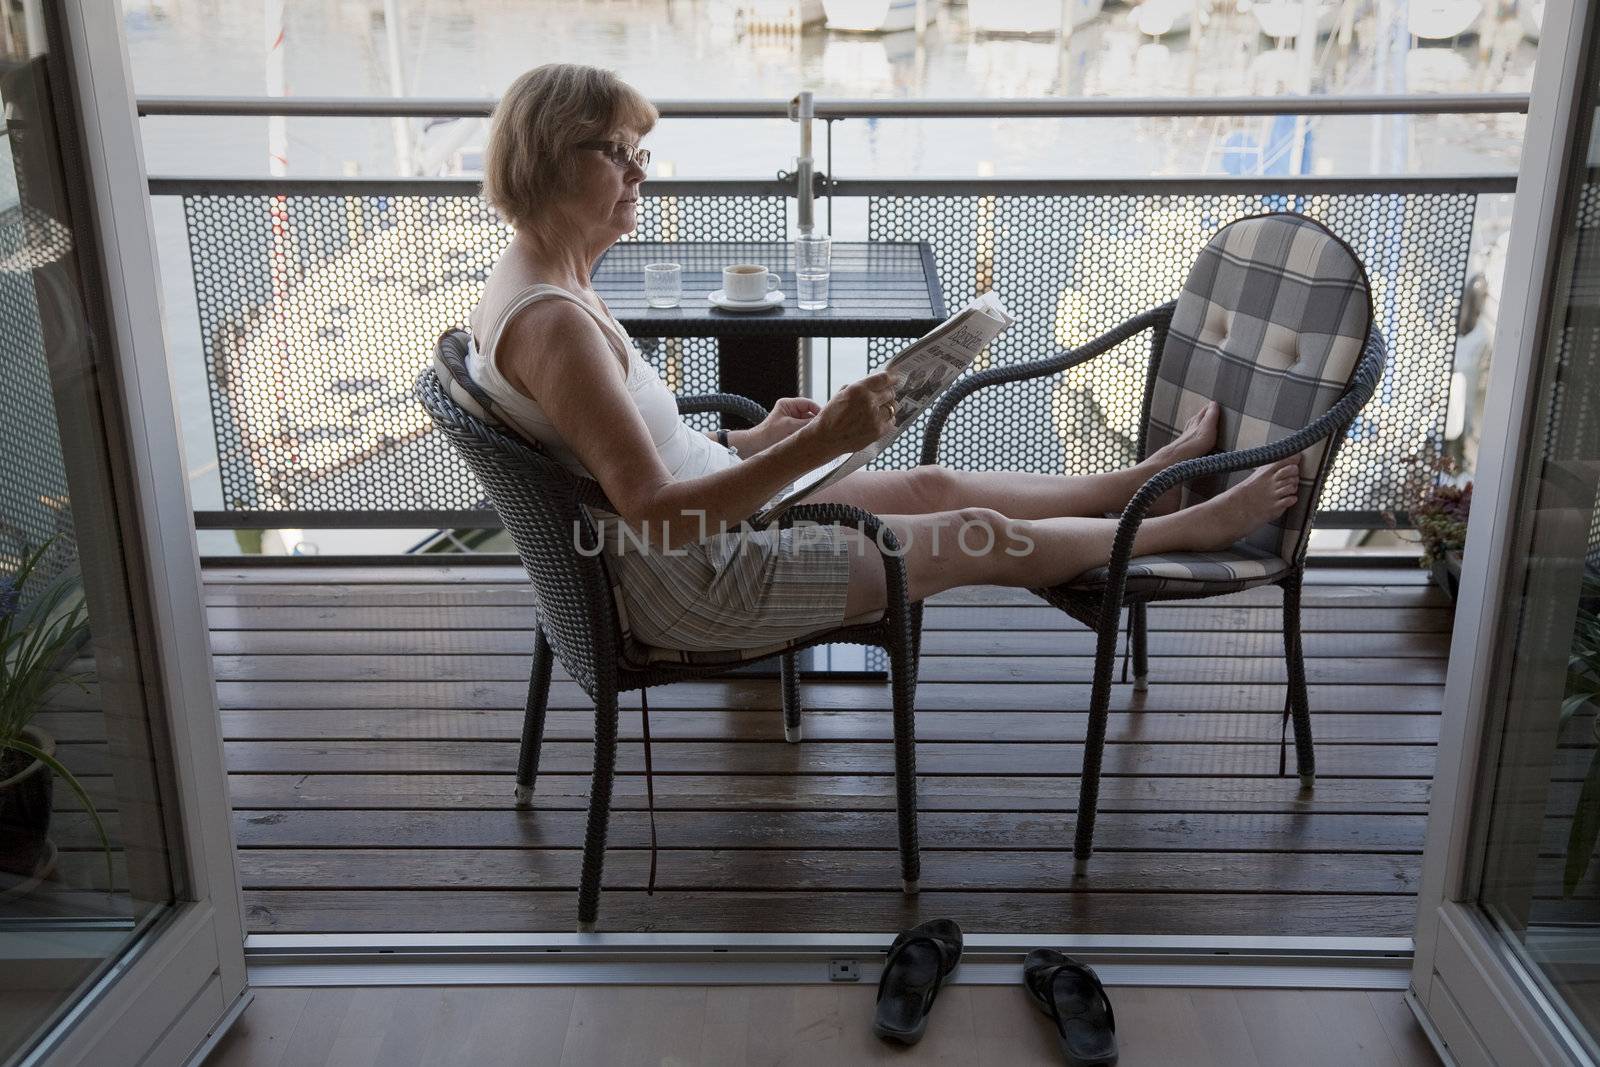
857	415
786	416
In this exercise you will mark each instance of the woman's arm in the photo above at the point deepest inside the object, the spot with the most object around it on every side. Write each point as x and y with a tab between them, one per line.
787	416
582	388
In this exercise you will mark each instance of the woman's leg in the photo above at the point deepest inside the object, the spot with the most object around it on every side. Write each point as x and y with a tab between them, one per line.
981	546
1018	494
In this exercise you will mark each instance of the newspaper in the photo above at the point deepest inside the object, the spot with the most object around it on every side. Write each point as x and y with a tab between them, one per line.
922	370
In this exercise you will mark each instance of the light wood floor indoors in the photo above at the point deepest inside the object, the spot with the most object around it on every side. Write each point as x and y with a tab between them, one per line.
749	1026
371	716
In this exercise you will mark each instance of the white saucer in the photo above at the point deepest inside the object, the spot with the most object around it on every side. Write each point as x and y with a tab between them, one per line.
771	300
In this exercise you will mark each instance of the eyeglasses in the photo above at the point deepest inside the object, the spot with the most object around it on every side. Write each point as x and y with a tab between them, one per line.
619	152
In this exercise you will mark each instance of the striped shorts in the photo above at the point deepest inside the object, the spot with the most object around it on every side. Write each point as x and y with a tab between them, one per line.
742	589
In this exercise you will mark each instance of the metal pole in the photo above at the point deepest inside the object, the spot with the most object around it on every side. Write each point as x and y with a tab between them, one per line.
802	111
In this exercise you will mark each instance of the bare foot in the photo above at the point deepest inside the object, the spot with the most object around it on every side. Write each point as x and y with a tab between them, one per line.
1220	522
1198	436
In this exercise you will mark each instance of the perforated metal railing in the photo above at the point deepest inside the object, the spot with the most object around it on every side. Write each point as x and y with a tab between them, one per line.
319	299
317	310
1073	267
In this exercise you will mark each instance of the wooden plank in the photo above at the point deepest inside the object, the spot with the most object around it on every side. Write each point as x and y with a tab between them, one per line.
355	598
764	869
766	725
736	757
1066	642
1375	796
1060	669
1383	617
763	693
774	830
1218	914
359	595
506	568
476	570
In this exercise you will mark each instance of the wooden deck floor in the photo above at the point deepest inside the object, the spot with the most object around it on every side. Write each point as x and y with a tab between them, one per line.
371	718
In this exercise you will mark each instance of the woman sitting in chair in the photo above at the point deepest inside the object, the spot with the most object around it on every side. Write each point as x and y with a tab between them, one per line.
563	166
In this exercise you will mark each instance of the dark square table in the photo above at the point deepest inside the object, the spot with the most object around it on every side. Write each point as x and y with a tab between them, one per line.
877	289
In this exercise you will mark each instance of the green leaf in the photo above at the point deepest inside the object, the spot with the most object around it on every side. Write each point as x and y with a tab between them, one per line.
1573	703
29	749
1585	829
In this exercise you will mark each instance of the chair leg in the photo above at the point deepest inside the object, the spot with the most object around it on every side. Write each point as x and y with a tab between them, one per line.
1141	658
903	682
1105	661
1299	703
594	836
790	675
533	719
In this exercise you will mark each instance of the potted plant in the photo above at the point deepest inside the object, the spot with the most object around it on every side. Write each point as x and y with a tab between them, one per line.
39	636
1440	516
1439	510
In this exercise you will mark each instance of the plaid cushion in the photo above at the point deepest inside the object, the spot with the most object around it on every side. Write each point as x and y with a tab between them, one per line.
1241	567
1271	323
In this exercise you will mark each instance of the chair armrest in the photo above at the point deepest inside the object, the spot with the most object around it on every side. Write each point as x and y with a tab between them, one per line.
1369	371
1156	318
740	407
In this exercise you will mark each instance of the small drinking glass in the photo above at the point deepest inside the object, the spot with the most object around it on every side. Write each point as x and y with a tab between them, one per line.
812	286
813	263
663	284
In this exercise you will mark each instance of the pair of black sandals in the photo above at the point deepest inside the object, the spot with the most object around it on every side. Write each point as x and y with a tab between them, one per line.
921	960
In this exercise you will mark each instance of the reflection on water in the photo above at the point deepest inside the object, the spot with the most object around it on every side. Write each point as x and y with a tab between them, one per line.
676	49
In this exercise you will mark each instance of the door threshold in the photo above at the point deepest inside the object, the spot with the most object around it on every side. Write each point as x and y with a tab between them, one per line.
805	959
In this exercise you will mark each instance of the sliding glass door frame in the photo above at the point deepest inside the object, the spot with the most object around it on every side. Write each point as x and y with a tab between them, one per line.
186	977
1468	987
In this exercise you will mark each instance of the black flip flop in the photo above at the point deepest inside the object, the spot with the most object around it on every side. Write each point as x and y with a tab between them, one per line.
1071	994
921	960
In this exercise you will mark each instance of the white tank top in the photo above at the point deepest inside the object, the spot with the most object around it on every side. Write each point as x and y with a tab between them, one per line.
685	451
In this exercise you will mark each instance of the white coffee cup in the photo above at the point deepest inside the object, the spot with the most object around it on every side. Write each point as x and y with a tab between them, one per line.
747	282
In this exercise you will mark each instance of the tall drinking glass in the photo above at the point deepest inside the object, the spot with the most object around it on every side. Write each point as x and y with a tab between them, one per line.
663	284
813	266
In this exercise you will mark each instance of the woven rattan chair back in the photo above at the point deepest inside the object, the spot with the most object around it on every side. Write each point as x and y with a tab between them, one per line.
539	502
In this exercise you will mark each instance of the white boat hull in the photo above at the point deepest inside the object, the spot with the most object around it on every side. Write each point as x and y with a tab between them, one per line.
1029	17
1284	20
1443	20
875	16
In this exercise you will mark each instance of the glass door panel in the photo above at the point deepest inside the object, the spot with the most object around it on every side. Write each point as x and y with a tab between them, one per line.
1540	880
86	849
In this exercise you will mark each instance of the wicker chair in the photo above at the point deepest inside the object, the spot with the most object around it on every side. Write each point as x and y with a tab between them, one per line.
581	621
1275	322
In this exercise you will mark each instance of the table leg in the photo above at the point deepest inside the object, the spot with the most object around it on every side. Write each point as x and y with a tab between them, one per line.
765	369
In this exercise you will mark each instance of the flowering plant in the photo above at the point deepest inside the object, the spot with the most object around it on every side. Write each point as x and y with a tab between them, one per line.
1439	509
1440	515
37	644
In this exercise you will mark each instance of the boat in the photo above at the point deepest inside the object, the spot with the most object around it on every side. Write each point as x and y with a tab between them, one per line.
1443	20
1161	18
1530	14
782	16
1284	20
877	16
1029	18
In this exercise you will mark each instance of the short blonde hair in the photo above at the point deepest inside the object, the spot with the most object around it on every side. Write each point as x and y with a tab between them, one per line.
531	161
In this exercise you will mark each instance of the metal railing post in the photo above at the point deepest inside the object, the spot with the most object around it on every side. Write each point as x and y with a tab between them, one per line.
801	110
